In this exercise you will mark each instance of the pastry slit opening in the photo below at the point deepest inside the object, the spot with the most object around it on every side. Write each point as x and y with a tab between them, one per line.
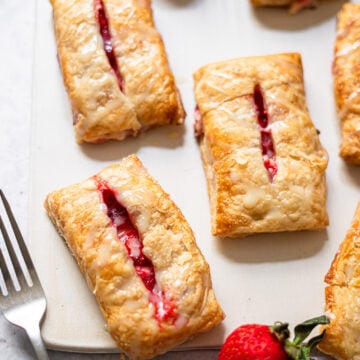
107	41
128	234
266	139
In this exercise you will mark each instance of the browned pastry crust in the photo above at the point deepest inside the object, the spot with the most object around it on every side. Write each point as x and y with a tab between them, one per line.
342	297
346	70
182	273
294	5
243	199
101	110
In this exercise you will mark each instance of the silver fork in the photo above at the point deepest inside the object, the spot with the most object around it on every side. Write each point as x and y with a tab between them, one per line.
22	299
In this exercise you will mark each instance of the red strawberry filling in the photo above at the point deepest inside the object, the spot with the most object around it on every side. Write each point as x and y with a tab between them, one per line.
266	139
198	124
129	236
106	36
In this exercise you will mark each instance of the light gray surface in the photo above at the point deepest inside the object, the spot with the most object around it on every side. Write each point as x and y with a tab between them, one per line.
17	19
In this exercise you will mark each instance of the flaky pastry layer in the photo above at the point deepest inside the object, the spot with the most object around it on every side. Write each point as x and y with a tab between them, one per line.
243	199
346	71
101	109
181	272
342	298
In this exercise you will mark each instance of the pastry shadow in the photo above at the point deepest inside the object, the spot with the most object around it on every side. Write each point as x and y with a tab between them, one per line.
218	333
280	19
272	247
352	173
170	137
181	3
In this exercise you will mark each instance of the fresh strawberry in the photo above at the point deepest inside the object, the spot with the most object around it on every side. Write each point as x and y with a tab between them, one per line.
263	342
252	342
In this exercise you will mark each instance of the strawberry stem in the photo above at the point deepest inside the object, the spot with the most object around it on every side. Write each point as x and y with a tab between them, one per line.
281	330
297	349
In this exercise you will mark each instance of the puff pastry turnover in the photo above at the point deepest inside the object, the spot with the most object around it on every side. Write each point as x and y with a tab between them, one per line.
115	68
346	71
342	296
293	5
263	159
139	256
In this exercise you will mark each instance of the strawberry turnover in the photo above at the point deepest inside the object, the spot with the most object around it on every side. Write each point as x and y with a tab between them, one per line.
115	68
263	160
139	256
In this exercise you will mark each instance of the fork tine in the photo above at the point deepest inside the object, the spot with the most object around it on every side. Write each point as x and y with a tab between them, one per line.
25	305
4	268
15	263
12	263
27	267
17	232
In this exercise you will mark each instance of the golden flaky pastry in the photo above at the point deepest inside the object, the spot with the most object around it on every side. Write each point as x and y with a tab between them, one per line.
139	257
342	296
293	5
264	163
346	70
115	68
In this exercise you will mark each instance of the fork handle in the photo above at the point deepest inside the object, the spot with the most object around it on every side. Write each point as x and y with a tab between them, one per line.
37	342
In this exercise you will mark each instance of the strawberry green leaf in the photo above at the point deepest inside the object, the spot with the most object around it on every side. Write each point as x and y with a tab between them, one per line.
303	330
315	340
299	350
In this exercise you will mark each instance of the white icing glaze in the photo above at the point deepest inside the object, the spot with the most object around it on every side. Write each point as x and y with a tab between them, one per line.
348	49
253	197
347	104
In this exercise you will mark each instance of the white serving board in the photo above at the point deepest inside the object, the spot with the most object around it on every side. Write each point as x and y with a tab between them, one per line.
261	278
